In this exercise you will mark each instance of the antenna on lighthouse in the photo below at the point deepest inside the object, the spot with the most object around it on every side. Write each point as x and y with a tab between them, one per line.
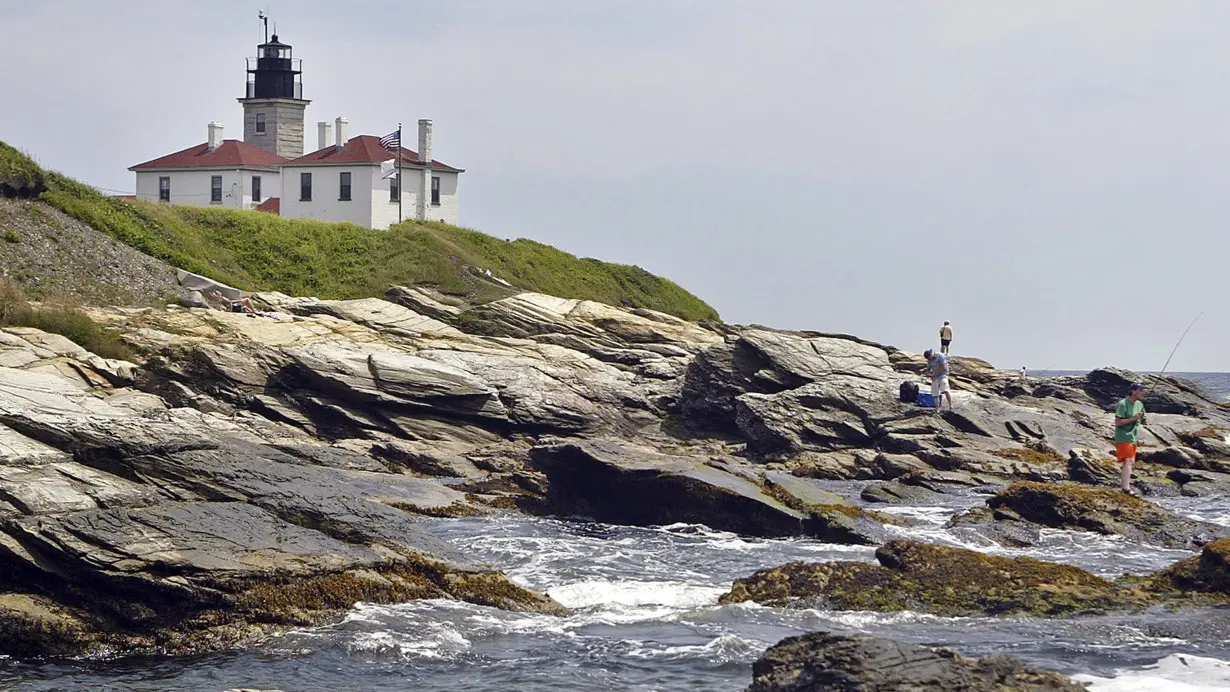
260	14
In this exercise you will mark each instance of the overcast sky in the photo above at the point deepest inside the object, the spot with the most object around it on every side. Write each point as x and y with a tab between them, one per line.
1049	175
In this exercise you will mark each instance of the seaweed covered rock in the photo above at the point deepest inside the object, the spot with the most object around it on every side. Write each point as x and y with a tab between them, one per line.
1100	510
822	661
936	579
1208	572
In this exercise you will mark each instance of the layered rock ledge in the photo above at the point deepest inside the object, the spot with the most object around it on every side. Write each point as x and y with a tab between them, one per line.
254	472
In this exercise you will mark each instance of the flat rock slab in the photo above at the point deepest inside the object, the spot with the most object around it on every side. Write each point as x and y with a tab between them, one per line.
215	541
67	486
355	505
824	662
380	315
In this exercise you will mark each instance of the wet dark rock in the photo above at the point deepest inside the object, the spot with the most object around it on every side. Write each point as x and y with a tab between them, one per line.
825	662
894	492
1001	526
1100	510
936	579
618	482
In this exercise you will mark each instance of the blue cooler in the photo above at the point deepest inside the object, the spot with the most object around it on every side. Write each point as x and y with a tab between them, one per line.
925	399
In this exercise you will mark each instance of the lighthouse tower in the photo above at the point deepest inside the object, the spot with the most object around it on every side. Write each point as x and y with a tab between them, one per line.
273	105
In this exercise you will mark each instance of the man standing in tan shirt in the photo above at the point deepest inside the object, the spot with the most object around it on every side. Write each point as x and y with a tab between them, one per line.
945	337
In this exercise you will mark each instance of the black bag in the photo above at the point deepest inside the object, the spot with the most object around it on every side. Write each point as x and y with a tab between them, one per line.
909	392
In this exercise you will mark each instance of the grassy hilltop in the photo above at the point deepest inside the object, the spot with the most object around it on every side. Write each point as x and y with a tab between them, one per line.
258	251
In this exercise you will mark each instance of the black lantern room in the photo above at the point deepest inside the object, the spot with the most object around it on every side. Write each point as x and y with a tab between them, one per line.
274	73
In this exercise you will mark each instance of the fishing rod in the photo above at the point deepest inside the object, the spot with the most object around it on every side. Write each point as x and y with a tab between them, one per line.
1158	376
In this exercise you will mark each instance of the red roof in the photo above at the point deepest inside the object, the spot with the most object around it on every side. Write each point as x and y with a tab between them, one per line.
363	149
273	205
229	154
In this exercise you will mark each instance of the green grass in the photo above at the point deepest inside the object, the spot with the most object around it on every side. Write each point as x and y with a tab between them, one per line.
19	175
258	251
63	319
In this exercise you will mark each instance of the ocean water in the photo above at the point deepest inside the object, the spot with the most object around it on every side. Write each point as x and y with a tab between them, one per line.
646	618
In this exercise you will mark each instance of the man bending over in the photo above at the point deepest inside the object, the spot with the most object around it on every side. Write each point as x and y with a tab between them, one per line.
937	368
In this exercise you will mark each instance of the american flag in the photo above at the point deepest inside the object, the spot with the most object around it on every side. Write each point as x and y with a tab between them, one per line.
391	140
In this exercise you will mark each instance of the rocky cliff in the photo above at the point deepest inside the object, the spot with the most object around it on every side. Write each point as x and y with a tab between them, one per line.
255	472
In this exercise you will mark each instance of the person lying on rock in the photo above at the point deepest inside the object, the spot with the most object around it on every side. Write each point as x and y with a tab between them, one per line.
1129	414
244	304
937	368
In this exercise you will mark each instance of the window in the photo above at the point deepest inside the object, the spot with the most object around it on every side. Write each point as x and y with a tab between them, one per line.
164	189
305	187
343	187
435	191
395	188
215	188
256	188
260	123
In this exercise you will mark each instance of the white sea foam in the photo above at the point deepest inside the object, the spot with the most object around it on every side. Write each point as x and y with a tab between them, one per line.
430	640
1175	673
935	516
607	593
721	649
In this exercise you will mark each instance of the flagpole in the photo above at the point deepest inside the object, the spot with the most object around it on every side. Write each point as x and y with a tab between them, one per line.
400	191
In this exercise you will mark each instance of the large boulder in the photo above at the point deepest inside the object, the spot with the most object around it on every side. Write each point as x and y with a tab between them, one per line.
826	662
761	361
619	482
1163	395
935	579
841	412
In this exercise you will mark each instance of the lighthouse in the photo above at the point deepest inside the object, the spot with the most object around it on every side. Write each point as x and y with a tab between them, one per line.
273	103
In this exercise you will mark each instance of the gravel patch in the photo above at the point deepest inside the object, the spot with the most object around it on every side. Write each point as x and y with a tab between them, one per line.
54	256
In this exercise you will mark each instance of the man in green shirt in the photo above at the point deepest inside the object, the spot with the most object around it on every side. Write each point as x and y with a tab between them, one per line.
1129	413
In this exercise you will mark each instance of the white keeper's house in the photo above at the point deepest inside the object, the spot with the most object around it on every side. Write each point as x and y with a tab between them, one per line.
356	179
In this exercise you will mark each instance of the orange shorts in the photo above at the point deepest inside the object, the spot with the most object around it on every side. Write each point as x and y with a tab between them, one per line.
1125	450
